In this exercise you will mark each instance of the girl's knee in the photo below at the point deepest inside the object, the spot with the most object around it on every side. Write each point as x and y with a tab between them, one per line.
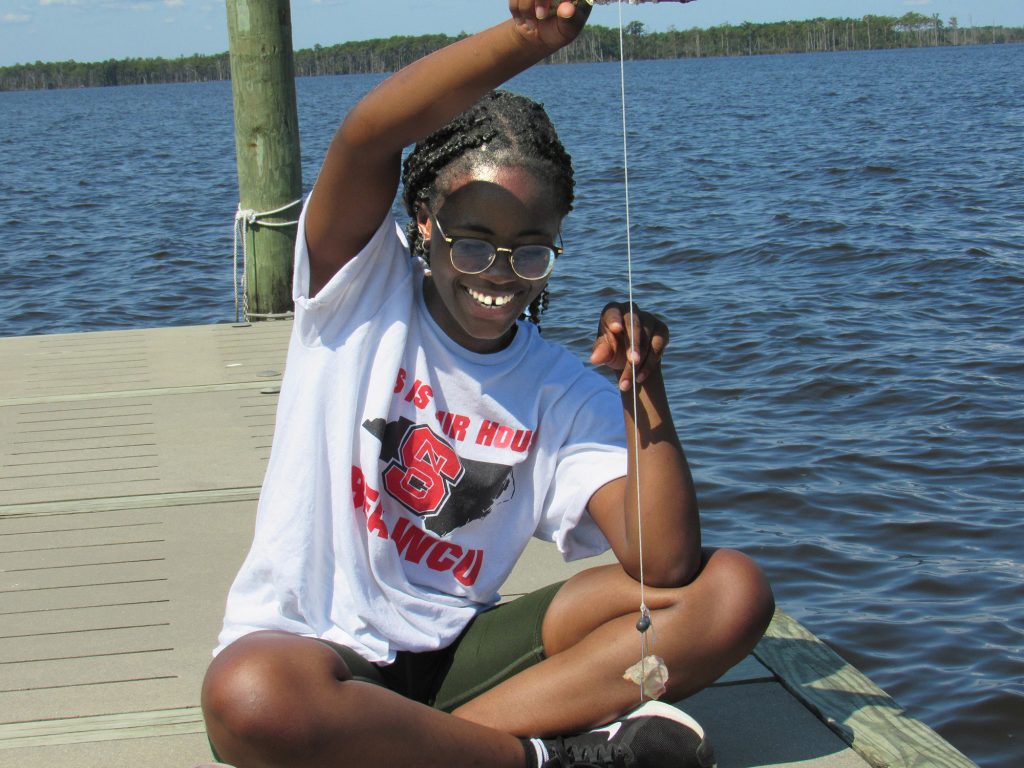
742	589
260	693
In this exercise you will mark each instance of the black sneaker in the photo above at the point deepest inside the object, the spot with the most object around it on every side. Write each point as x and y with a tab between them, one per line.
655	735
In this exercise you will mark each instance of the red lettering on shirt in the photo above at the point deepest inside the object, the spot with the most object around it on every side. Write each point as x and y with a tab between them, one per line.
453	425
522	440
412	543
443	556
415	545
496	435
375	523
419	394
468	568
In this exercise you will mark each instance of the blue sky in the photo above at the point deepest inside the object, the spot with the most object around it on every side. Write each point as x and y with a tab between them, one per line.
95	30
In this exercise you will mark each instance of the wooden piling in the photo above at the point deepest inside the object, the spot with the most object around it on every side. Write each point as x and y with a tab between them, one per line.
266	148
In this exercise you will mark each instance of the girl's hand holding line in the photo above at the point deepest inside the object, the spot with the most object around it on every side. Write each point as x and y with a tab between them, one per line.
629	338
552	22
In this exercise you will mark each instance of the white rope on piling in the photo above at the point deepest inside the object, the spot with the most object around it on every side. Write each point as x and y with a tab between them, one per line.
244	219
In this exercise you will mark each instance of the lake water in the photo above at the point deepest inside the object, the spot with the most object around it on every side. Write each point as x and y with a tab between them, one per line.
837	242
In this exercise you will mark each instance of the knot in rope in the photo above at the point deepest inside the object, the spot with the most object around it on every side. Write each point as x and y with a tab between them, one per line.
246	218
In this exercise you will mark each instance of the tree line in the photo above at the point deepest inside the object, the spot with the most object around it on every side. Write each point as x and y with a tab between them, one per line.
595	44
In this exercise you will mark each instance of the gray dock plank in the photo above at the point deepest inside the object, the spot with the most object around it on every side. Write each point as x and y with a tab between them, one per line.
44	368
124	748
130	464
118	611
139	445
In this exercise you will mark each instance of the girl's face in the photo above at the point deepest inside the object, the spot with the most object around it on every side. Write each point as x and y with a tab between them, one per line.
507	207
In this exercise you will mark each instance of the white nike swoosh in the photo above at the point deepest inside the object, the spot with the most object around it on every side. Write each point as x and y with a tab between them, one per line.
611	730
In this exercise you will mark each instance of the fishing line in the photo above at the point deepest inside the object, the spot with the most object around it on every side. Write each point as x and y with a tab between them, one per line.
645	622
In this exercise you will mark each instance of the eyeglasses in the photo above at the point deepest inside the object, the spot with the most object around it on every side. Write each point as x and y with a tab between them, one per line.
471	256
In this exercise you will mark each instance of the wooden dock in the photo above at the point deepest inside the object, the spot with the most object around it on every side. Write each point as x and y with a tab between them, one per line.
130	465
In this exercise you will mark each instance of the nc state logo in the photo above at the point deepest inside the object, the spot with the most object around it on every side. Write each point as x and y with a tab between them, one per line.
421	477
426	476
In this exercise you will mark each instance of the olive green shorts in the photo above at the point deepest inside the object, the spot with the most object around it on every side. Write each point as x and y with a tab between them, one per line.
497	644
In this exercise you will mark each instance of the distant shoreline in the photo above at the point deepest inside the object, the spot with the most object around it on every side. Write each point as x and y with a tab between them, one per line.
596	44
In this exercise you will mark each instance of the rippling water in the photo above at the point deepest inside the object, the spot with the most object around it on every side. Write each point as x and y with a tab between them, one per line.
836	240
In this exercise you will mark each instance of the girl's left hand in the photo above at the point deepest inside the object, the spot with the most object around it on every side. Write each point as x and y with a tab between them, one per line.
629	338
553	22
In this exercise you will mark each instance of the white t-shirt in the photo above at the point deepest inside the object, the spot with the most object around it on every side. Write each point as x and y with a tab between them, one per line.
408	473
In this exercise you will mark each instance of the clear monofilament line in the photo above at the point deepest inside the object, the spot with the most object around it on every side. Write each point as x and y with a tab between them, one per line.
644	613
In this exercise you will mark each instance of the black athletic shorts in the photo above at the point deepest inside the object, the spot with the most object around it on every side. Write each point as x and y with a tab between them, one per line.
497	644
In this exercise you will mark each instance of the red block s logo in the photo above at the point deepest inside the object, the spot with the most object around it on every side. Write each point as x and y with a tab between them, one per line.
421	477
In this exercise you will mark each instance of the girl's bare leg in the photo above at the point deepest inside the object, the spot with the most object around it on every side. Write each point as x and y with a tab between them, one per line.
590	638
273	699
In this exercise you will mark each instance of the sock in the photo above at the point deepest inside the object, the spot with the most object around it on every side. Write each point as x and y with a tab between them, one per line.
536	753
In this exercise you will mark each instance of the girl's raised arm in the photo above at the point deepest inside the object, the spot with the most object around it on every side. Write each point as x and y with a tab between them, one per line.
360	175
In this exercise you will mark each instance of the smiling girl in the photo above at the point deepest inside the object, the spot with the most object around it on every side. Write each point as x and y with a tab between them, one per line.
426	432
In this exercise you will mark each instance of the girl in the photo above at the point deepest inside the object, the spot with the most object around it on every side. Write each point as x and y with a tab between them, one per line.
425	432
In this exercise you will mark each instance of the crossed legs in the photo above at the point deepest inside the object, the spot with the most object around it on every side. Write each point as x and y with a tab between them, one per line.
274	699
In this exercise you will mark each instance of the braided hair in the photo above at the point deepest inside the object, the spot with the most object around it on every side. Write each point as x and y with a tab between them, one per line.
502	128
